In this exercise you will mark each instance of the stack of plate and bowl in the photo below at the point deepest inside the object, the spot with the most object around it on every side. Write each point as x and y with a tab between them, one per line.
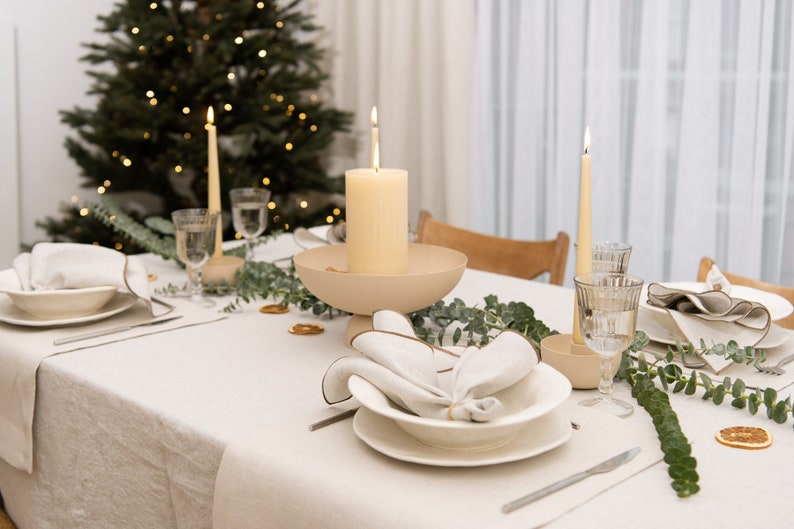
532	423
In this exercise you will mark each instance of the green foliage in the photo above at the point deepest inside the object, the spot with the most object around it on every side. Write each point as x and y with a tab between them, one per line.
156	71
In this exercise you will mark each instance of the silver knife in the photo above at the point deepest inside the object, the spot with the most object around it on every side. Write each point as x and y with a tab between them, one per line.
607	466
103	332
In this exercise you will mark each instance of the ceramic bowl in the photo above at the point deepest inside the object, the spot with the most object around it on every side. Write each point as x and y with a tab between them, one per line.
433	271
541	391
60	304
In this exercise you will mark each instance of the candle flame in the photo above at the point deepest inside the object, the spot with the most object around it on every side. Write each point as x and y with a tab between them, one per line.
210	116
373	117
587	139
376	157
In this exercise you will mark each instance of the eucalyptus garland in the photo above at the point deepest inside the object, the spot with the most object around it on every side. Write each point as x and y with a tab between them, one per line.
457	322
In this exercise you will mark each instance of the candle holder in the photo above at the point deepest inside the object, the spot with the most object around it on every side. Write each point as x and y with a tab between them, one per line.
433	271
579	363
221	269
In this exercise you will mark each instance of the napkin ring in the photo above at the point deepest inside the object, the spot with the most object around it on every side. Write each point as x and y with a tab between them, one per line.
449	410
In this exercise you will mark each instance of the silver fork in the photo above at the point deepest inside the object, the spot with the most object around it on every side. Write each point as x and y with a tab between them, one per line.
776	369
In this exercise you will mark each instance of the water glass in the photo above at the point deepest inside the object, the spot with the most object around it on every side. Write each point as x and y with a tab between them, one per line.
249	214
194	230
608	305
609	256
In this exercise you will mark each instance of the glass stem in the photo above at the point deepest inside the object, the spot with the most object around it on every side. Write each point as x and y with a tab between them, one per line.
249	250
605	386
194	280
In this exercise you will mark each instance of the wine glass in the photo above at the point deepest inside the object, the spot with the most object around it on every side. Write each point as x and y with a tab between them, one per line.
610	256
194	230
608	318
249	214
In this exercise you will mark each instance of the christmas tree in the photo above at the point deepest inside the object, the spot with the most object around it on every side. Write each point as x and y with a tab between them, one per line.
163	66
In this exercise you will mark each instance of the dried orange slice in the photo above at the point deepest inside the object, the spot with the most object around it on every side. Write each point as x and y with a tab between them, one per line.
306	328
747	437
275	308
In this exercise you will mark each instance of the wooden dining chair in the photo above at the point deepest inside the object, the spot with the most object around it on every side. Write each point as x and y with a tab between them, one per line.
787	292
525	259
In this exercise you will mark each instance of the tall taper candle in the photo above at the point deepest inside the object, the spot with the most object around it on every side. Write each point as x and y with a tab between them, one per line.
214	179
584	246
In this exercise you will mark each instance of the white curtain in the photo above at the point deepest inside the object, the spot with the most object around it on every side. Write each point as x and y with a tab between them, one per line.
691	108
412	59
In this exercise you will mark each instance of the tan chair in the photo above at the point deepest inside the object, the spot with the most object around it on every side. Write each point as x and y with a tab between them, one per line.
525	259
786	292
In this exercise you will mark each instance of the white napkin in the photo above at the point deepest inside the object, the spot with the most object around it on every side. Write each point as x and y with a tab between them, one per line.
54	266
716	280
713	316
432	381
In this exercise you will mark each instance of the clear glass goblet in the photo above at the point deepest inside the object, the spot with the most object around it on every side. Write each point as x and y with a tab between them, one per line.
608	318
249	214
610	256
194	230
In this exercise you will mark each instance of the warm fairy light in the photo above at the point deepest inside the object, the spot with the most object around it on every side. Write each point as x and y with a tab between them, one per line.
153	5
260	5
186	110
135	30
187	135
263	53
227	107
141	48
111	218
118	246
115	154
266	181
169	38
218	16
303	204
205	37
291	108
153	101
288	146
147	135
329	219
279	24
178	169
280	99
313	98
271	205
74	199
313	128
127	162
173	88
238	40
230	76
83	212
100	190
302	116
337	212
150	93
106	183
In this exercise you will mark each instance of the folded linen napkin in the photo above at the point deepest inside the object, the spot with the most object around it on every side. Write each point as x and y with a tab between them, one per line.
55	266
716	280
713	315
432	381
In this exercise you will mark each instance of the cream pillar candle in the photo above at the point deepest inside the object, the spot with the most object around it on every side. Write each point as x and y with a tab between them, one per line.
376	201
214	179
584	250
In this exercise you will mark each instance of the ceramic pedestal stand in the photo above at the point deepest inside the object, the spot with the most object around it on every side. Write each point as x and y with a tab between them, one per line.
221	269
433	271
579	363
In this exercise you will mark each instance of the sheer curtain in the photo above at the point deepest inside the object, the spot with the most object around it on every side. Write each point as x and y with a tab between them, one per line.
691	108
411	59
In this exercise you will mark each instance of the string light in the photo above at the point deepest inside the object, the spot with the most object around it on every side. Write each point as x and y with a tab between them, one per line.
263	53
178	169
135	30
288	146
227	107
186	110
106	183
83	212
279	24
271	206
100	190
230	76
238	40
74	199
260	5
150	94
329	219
153	6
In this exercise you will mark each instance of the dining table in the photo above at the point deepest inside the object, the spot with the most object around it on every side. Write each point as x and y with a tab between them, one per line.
205	424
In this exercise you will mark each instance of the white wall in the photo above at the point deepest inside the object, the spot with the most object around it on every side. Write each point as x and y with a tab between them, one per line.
50	78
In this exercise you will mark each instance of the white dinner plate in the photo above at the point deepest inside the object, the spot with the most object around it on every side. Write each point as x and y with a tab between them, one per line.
10	313
778	307
648	323
383	435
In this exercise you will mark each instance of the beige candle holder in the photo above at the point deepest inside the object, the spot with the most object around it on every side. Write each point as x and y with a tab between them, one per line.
221	269
580	364
433	271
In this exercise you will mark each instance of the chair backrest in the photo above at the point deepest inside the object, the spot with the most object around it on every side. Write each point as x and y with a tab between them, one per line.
525	259
787	292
